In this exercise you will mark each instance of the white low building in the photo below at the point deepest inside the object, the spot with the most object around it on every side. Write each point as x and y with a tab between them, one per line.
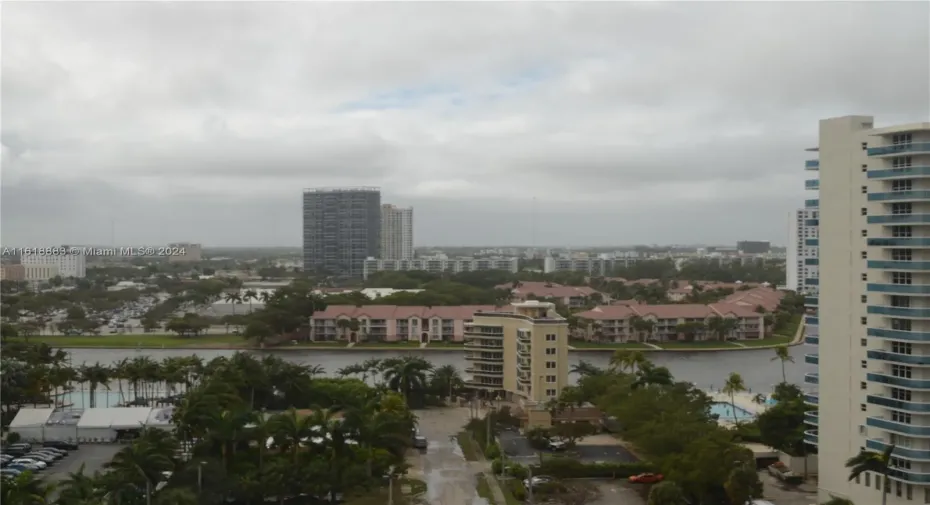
99	425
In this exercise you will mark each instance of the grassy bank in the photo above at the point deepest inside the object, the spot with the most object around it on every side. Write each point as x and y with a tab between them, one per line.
702	344
467	444
776	340
790	329
142	340
484	489
581	346
387	345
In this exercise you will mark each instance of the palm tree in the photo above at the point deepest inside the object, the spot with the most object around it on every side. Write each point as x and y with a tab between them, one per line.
248	296
731	387
446	379
142	463
877	463
666	493
289	429
25	489
407	375
78	488
651	375
585	368
628	360
233	298
782	355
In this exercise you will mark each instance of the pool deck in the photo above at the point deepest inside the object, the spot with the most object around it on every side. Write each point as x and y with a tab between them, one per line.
741	400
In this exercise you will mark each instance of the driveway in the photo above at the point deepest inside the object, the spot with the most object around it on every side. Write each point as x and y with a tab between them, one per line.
93	457
597	448
805	494
616	492
450	480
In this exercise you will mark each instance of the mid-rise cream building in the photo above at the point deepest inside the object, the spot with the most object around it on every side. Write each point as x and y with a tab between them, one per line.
396	232
518	353
874	308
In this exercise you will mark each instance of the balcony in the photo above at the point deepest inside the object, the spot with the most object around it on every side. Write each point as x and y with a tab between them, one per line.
811	222
812	242
891	380
899	196
908	336
812	359
891	403
812	203
484	372
810	437
899	265
892	173
484	385
903	289
812	282
900	242
895	219
484	358
810	417
898	311
906	429
812	261
811	378
812	165
478	344
812	340
810	301
811	398
901	452
812	184
812	320
909	476
914	147
894	357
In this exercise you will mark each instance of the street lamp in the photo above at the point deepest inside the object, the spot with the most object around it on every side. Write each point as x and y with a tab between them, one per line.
200	476
391	485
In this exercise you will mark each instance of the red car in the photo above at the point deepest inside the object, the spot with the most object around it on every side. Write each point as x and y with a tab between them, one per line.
646	478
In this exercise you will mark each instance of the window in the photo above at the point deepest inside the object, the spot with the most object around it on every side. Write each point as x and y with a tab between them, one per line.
901	394
901	138
902	254
902	208
901	278
862	407
902	347
550	392
862	386
864	211
865	233
550	337
902	231
863	320
865	145
867	479
901	162
865	168
550	351
901	324
863	298
902	371
550	379
865	277
864	254
865	189
550	364
863	342
900	301
900	417
909	491
902	185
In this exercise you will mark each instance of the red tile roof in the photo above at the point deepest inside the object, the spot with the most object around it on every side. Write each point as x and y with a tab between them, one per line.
768	298
403	312
669	311
547	290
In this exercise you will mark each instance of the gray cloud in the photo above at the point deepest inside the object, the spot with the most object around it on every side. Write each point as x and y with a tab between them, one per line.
629	123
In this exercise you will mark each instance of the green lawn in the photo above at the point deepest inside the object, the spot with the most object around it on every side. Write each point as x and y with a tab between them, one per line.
484	489
713	344
450	345
386	345
790	329
321	343
380	496
776	340
468	446
140	340
577	344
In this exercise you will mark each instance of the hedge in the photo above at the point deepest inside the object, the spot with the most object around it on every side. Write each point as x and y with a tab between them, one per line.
567	468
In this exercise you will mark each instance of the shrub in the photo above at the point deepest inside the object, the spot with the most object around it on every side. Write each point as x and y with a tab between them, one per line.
514	470
517	490
567	468
492	451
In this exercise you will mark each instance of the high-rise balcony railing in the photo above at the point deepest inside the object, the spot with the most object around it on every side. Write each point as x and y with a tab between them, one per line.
812	242
898	427
811	340
899	265
810	437
900	452
895	357
910	336
903	172
810	417
896	219
811	378
900	196
901	382
812	359
811	222
898	311
812	261
895	404
810	301
811	398
912	148
811	164
811	320
901	289
812	281
899	242
812	184
812	203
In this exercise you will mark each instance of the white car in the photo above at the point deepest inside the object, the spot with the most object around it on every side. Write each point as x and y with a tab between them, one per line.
41	465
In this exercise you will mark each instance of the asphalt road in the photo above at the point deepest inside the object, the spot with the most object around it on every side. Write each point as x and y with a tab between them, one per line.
93	457
517	447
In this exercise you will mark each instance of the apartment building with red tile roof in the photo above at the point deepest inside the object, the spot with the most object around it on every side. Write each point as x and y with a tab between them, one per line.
615	321
393	323
570	296
765	297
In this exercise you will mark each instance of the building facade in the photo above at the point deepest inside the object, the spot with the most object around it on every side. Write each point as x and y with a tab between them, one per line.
16	273
341	228
753	247
621	323
185	252
874	307
598	267
440	265
393	323
518	352
802	249
396	232
67	265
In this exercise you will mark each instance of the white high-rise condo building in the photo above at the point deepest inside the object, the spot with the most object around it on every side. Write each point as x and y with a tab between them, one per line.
67	265
802	249
874	391
396	232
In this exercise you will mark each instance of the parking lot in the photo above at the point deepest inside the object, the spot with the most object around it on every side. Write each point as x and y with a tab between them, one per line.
777	493
598	448
93	457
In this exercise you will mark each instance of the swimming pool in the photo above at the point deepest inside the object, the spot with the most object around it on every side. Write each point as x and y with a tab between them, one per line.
724	411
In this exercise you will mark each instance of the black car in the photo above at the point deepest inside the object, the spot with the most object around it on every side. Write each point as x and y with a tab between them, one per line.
60	444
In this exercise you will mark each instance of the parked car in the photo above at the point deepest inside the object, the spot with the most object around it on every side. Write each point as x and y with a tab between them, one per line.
47	459
29	461
24	467
9	472
420	442
60	444
537	481
556	445
53	451
646	478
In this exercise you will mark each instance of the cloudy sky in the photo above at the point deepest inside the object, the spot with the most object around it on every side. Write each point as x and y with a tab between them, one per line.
628	123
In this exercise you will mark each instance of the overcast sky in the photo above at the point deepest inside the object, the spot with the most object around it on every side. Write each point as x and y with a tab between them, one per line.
629	123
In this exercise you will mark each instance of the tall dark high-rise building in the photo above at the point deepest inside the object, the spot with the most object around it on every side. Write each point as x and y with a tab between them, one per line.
342	227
